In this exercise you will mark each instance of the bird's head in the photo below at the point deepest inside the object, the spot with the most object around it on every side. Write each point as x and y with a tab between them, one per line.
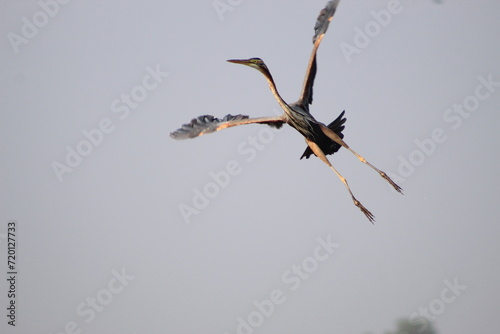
256	63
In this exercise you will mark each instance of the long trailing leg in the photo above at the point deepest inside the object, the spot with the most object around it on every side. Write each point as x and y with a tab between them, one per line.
333	136
319	153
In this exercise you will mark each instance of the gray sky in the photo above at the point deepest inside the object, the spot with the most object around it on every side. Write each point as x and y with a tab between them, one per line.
98	188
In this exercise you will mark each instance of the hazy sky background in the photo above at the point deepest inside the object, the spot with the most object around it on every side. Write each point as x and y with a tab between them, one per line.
118	210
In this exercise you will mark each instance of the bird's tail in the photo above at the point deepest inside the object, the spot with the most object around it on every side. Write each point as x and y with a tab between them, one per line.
337	125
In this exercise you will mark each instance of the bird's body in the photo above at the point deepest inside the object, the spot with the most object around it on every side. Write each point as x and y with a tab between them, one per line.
302	121
321	139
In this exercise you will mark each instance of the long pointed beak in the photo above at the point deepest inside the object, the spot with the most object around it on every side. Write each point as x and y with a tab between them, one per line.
238	61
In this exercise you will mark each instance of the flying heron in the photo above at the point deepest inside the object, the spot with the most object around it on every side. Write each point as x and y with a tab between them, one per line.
321	139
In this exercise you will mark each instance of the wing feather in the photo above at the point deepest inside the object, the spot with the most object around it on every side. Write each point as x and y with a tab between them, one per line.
207	124
320	28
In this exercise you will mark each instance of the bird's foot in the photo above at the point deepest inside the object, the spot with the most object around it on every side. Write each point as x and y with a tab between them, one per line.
367	213
391	182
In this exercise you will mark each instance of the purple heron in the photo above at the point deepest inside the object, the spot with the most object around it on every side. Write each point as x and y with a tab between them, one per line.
321	139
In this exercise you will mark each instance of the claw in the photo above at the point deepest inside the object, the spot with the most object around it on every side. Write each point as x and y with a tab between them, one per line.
392	183
367	213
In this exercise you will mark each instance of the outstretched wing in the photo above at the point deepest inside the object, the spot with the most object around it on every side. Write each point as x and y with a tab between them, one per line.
208	124
324	18
327	145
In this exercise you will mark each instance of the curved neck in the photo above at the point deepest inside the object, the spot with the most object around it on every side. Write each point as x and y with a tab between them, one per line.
274	90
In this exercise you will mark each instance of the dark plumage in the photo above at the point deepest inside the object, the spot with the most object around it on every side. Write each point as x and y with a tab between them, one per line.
327	145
